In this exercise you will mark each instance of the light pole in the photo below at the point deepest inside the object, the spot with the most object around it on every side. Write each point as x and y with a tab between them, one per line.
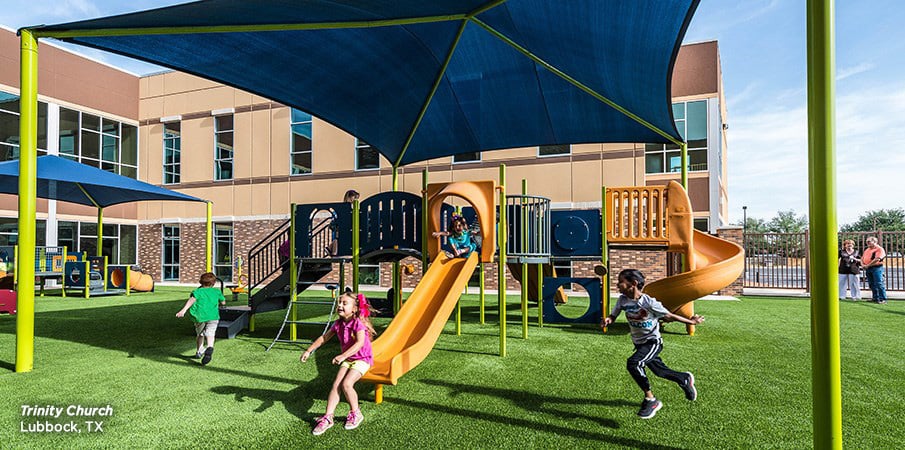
744	219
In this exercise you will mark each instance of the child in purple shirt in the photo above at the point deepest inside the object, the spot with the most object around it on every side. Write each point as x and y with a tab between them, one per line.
354	330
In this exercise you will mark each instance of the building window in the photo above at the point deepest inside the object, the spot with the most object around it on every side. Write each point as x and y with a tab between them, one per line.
99	142
366	157
554	150
300	151
9	127
172	147
702	224
467	157
9	232
119	245
171	252
691	121
223	153
223	251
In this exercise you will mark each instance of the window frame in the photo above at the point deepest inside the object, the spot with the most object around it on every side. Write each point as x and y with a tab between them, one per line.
469	161
170	242
218	170
174	174
359	146
229	239
665	150
292	150
554	155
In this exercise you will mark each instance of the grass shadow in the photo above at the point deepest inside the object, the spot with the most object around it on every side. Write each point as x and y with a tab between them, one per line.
298	401
512	421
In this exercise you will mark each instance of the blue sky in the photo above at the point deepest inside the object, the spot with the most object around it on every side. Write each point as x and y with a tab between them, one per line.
762	49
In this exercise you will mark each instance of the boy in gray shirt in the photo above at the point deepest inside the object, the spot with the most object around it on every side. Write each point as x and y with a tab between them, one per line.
643	313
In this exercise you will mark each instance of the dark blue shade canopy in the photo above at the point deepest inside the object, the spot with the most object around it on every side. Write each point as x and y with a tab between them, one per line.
69	181
419	79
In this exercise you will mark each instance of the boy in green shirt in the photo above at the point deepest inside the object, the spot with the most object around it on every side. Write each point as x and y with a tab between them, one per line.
203	306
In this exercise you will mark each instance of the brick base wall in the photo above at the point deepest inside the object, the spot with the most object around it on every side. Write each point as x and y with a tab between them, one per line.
733	234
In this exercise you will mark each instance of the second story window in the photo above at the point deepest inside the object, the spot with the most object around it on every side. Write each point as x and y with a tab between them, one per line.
9	127
223	151
691	121
554	150
172	144
300	145
366	157
99	142
467	157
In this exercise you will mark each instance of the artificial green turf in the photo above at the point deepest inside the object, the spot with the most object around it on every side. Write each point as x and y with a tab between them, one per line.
565	386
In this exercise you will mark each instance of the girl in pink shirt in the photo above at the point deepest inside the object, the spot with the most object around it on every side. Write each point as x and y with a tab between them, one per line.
354	331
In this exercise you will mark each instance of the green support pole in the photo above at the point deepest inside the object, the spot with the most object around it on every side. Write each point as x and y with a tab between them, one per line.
209	239
501	263
293	276
683	151
100	231
825	354
63	281
524	282
28	172
424	222
481	294
604	254
397	270
356	251
459	300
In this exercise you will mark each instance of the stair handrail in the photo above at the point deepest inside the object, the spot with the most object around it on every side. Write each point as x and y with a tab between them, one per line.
264	257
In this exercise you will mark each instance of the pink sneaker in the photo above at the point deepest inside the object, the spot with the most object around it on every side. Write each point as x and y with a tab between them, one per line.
322	424
354	419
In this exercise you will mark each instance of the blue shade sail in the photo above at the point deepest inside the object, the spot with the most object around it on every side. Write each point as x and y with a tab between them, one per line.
518	73
69	181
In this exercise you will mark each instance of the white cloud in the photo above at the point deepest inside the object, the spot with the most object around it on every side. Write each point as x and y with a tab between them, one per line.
768	165
846	72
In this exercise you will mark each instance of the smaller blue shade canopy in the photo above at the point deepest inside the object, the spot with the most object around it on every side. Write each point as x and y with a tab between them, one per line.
69	181
420	79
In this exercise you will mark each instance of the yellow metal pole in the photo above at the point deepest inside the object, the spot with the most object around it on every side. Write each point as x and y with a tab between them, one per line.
209	240
605	295
293	276
28	173
481	293
826	372
397	270
501	263
524	227
100	231
355	246
424	222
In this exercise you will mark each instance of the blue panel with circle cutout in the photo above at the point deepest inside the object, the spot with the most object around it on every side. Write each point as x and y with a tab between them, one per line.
575	233
590	285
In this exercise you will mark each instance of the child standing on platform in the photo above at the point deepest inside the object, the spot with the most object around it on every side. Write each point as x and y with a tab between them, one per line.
642	313
203	306
459	239
354	331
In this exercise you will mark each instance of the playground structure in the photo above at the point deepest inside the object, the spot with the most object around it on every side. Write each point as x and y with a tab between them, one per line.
386	227
74	271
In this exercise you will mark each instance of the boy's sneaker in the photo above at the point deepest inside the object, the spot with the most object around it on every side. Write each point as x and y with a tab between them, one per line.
208	354
323	424
354	419
688	386
199	354
649	408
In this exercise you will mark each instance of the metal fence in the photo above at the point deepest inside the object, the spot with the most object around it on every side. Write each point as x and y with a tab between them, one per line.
781	260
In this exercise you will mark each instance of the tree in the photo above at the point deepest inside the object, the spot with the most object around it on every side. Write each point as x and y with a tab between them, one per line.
754	225
876	220
788	222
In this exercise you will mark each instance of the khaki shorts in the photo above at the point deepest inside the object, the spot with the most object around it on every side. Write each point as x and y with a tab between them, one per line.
358	366
208	328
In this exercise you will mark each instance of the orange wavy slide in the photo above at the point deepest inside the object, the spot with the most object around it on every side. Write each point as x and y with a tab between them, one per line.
715	264
416	327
